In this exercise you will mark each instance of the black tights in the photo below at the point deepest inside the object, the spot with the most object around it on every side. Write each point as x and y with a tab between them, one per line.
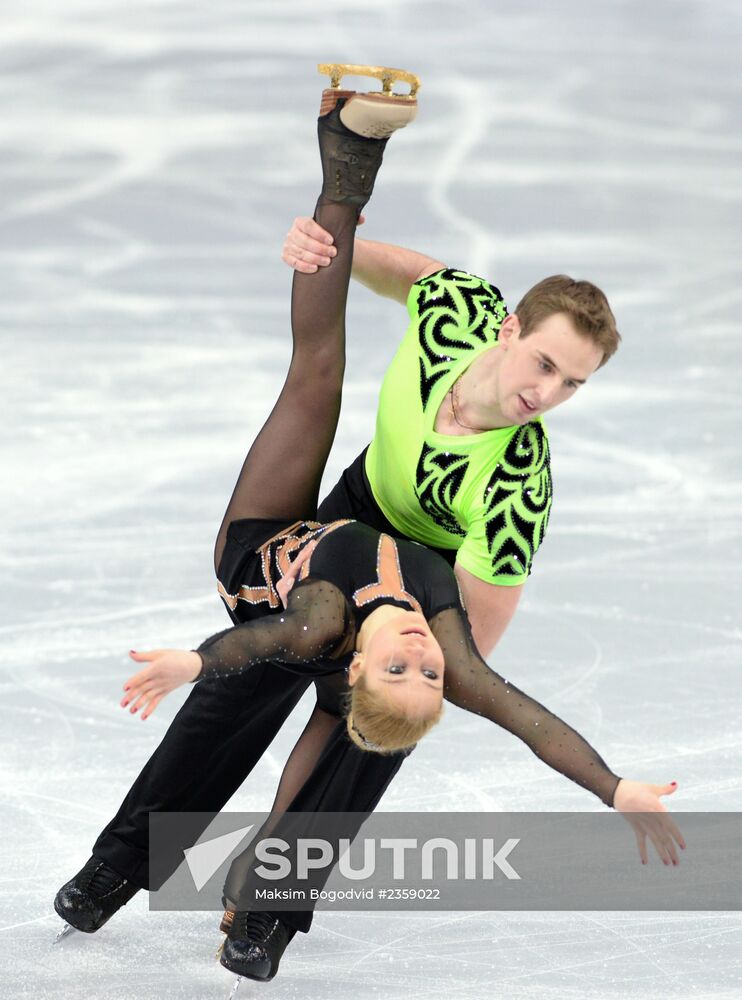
281	475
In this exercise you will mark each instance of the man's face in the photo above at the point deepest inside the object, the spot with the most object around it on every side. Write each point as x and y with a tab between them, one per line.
544	368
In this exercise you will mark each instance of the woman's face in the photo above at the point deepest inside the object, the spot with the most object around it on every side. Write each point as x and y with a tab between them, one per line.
403	661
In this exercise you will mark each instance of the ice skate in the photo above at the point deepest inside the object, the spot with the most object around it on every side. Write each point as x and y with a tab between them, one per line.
354	129
92	897
235	987
377	114
227	920
65	932
254	945
225	927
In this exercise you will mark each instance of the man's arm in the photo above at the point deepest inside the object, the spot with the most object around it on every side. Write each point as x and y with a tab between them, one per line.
387	270
489	608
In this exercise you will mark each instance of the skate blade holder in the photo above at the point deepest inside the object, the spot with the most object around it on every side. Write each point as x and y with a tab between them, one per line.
388	77
377	114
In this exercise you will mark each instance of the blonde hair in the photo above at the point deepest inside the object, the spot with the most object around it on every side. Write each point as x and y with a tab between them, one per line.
377	724
584	303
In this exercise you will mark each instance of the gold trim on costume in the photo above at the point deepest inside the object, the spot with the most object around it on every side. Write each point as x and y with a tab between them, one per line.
290	542
389	578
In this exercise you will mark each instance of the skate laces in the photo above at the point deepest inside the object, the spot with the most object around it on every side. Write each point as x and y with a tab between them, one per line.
99	879
252	926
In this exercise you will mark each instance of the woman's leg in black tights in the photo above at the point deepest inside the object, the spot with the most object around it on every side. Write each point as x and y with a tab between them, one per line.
307	751
281	476
299	766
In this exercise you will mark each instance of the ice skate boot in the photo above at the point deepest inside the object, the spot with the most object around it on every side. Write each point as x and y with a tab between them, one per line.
354	129
254	945
227	920
92	897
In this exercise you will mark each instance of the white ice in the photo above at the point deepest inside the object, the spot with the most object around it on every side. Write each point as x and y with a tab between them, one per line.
152	156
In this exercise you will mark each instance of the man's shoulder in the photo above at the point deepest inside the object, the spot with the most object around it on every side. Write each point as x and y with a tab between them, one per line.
452	313
450	288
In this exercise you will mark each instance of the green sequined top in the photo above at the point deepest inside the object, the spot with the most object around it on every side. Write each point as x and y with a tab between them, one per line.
486	495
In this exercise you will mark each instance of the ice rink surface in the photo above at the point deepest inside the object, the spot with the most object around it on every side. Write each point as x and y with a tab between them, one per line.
152	156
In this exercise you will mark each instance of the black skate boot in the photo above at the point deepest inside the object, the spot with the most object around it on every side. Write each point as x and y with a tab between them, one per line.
254	945
354	130
92	897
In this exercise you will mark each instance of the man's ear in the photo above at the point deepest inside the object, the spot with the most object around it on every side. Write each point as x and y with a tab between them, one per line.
509	331
355	669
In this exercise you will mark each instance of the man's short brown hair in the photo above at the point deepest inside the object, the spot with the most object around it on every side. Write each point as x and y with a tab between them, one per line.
584	303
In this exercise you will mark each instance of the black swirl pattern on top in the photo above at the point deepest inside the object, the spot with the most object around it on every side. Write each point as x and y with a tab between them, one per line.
438	479
518	496
457	312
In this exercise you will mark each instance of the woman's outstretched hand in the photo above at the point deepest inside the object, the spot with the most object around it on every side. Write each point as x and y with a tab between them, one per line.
642	809
167	669
308	246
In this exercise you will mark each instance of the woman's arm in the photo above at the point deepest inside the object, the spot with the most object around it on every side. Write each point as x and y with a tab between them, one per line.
472	685
314	621
312	627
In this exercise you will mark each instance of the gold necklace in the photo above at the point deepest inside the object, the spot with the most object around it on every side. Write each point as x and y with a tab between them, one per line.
453	393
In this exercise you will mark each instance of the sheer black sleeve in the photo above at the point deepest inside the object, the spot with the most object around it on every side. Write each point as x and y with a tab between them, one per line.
470	684
314	626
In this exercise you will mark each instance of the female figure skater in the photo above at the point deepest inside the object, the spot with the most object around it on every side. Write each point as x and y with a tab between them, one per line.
340	602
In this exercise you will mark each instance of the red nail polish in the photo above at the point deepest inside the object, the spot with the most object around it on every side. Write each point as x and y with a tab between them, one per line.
673	782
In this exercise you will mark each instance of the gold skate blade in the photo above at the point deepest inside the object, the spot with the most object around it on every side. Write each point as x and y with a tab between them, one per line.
387	75
377	116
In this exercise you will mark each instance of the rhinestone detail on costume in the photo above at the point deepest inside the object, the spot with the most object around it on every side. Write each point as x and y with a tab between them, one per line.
456	313
275	561
438	479
389	580
518	496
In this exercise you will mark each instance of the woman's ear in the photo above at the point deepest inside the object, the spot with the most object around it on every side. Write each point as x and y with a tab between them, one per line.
355	669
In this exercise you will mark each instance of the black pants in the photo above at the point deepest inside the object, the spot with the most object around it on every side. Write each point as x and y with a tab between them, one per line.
227	724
